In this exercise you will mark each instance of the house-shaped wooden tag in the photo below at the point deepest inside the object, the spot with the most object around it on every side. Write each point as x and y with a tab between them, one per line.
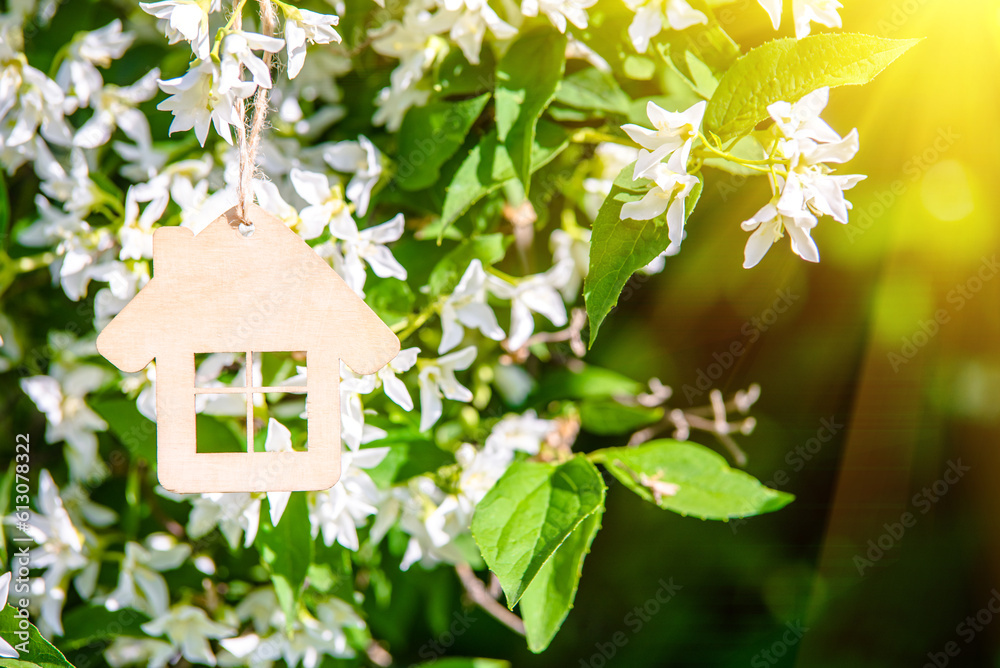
222	291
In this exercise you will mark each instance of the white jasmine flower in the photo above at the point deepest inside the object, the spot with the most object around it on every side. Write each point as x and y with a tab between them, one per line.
61	397
196	101
262	609
238	52
560	11
54	225
6	650
415	42
815	188
189	629
573	247
801	120
672	131
279	439
648	21
185	20
524	432
353	430
432	519
61	552
115	106
533	294
471	19
806	12
78	75
769	224
671	186
467	307
142	162
306	642
234	514
437	379
126	651
73	188
361	159
323	634
124	283
336	513
658	263
31	102
394	388
326	203
136	232
480	470
269	198
396	99
368	246
140	585
301	26
77	264
611	160
810	188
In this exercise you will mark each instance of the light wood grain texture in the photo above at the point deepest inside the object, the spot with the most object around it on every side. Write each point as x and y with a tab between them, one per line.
220	291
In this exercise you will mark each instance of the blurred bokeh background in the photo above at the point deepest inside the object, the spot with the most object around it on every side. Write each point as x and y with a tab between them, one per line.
891	343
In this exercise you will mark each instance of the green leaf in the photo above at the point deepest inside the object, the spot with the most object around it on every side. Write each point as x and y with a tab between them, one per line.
455	75
392	300
607	417
619	248
34	648
215	435
488	166
287	550
549	598
787	69
562	114
528	514
488	248
586	382
707	43
409	455
592	88
528	76
639	67
452	662
133	429
707	487
91	623
430	135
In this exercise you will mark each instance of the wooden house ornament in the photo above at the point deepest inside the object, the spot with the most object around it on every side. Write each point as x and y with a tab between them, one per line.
223	291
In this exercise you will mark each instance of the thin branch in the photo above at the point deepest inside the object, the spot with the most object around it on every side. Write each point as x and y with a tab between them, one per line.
477	591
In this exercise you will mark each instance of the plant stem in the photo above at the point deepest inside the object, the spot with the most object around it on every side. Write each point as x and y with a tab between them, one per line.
416	322
477	591
591	136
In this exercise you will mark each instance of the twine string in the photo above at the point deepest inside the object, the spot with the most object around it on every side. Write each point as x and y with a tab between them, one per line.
249	142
